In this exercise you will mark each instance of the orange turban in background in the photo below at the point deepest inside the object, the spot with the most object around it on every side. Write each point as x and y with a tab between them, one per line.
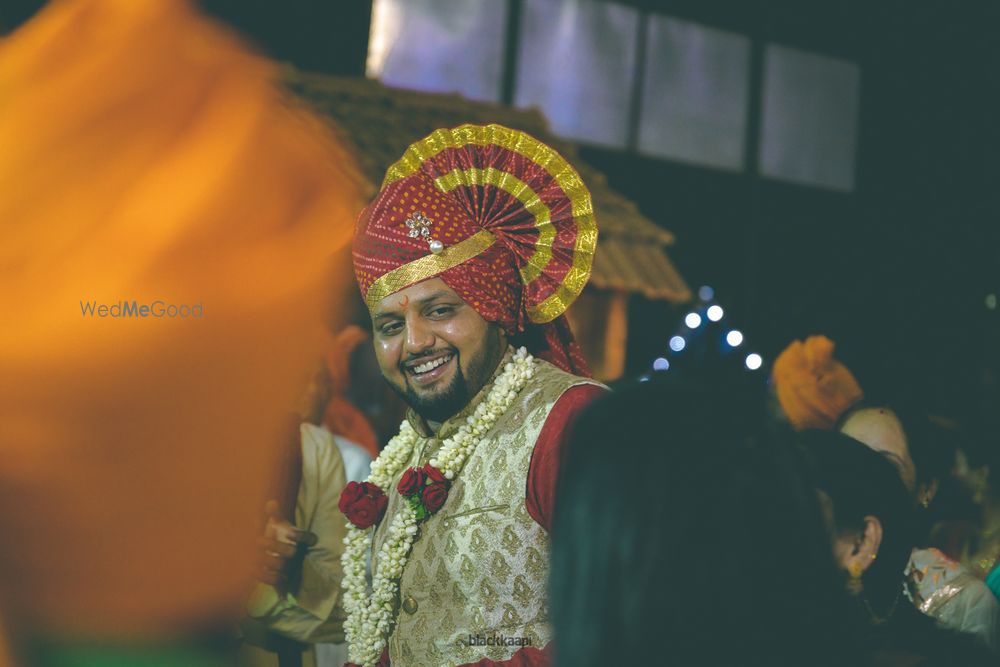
341	416
148	157
814	389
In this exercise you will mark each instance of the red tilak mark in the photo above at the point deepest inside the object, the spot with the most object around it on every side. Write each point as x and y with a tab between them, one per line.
405	302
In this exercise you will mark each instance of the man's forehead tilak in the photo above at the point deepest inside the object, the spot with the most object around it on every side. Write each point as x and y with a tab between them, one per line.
402	302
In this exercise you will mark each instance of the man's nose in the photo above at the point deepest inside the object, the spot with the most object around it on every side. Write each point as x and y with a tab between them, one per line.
419	336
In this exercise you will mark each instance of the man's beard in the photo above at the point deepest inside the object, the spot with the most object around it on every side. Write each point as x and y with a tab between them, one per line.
448	402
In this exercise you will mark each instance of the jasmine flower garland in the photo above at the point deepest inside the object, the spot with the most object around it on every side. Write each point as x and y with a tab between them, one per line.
370	616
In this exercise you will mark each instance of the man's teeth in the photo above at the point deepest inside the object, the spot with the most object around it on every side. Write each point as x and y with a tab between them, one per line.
430	365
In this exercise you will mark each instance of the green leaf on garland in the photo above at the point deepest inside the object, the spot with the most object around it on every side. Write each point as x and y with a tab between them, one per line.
418	507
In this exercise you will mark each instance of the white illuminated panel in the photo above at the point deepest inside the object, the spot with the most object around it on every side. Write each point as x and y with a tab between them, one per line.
694	100
439	45
809	118
576	60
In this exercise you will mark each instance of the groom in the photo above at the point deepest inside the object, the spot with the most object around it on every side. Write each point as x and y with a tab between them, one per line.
479	240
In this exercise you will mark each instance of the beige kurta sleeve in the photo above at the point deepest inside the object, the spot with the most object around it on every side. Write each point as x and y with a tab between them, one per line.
313	613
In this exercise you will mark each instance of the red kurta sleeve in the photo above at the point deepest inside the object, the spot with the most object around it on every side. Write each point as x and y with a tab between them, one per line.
544	467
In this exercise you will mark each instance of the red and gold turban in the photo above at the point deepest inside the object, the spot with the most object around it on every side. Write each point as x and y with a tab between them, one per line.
500	217
814	389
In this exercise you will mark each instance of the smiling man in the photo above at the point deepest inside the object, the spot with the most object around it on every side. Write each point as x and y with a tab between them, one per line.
479	240
433	347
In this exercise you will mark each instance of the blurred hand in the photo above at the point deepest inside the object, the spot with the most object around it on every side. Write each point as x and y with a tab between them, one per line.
281	546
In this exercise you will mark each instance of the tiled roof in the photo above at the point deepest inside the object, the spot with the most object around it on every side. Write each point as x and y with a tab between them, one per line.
380	122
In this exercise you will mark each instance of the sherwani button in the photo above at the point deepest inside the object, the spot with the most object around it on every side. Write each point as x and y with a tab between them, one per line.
409	605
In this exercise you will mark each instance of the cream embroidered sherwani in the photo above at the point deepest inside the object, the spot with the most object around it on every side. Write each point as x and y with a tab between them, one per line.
479	567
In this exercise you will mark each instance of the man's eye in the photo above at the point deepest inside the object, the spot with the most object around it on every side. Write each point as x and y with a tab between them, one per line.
390	328
440	311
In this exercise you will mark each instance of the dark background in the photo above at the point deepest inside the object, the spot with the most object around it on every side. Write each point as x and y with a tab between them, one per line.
895	272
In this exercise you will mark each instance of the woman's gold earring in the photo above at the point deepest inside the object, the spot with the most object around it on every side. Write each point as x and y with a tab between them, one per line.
854	585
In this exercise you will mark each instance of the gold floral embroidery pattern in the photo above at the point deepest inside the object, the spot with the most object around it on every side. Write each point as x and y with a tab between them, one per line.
488	556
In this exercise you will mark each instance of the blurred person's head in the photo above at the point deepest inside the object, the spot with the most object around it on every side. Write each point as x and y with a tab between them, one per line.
870	516
683	537
186	180
922	452
880	429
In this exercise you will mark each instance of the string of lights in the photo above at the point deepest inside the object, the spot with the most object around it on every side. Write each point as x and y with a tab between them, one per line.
706	314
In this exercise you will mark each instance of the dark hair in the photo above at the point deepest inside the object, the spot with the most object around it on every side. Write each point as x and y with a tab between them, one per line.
683	537
861	482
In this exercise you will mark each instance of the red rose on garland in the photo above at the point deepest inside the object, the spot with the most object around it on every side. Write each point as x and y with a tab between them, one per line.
412	481
434	496
363	504
425	489
433	474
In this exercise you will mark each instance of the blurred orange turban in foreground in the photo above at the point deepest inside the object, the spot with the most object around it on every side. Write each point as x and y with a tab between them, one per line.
148	158
813	388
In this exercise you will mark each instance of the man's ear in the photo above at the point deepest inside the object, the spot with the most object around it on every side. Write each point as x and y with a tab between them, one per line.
502	336
869	542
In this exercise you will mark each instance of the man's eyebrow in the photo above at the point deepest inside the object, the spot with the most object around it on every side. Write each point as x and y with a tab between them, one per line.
433	297
381	314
